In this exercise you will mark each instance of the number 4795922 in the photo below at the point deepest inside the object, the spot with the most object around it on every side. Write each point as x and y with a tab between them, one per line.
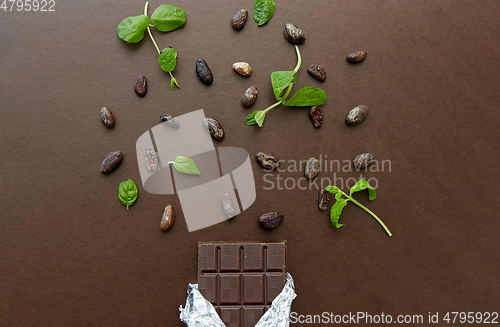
28	5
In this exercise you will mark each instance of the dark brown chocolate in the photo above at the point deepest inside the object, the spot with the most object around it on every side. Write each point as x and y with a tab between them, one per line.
241	280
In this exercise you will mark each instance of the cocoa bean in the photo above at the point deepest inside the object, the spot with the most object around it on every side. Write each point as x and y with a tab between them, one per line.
294	34
239	19
270	220
312	168
356	56
249	97
356	115
167	219
243	68
107	117
268	161
111	161
317	72
363	160
214	127
203	71
324	199
316	116
141	85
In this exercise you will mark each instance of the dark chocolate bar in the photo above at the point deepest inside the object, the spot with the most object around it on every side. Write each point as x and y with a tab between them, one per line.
241	280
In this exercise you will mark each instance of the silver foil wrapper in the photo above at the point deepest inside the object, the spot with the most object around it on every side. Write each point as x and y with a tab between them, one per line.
200	313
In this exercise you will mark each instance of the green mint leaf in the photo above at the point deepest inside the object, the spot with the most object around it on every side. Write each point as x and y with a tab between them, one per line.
131	29
280	81
259	118
336	211
364	185
168	59
307	96
263	10
333	189
338	196
167	18
127	192
185	165
250	120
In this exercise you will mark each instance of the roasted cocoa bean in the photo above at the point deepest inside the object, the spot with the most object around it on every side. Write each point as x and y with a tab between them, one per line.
214	127
141	85
243	68
167	219
227	205
151	160
316	116
268	161
249	97
356	56
111	161
203	72
356	115
239	19
324	199
270	220
363	160
317	72
171	122
107	117
294	34
312	168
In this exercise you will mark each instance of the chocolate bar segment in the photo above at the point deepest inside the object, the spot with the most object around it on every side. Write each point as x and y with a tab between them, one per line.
241	280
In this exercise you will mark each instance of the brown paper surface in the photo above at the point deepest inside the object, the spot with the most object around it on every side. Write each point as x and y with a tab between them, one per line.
72	255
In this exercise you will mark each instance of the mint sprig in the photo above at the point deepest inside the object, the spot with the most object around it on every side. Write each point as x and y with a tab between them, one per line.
341	202
165	18
280	80
185	165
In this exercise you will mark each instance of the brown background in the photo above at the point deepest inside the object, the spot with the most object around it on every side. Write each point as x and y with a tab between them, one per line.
71	254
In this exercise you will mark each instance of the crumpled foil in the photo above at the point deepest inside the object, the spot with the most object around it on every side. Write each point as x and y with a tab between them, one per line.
200	313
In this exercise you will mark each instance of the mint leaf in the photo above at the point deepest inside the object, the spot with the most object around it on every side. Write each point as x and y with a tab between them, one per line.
364	185
307	96
263	10
333	189
338	196
168	59
259	118
336	211
127	192
250	120
167	18
131	29
185	165
280	81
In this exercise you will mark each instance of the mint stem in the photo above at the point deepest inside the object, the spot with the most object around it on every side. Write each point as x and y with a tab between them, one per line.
149	30
370	212
272	106
299	59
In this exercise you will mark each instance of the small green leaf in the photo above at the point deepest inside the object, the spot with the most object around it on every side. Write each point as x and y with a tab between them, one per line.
250	120
131	29
338	196
259	117
185	165
280	81
336	211
127	192
167	18
263	10
307	96
168	59
364	185
333	189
